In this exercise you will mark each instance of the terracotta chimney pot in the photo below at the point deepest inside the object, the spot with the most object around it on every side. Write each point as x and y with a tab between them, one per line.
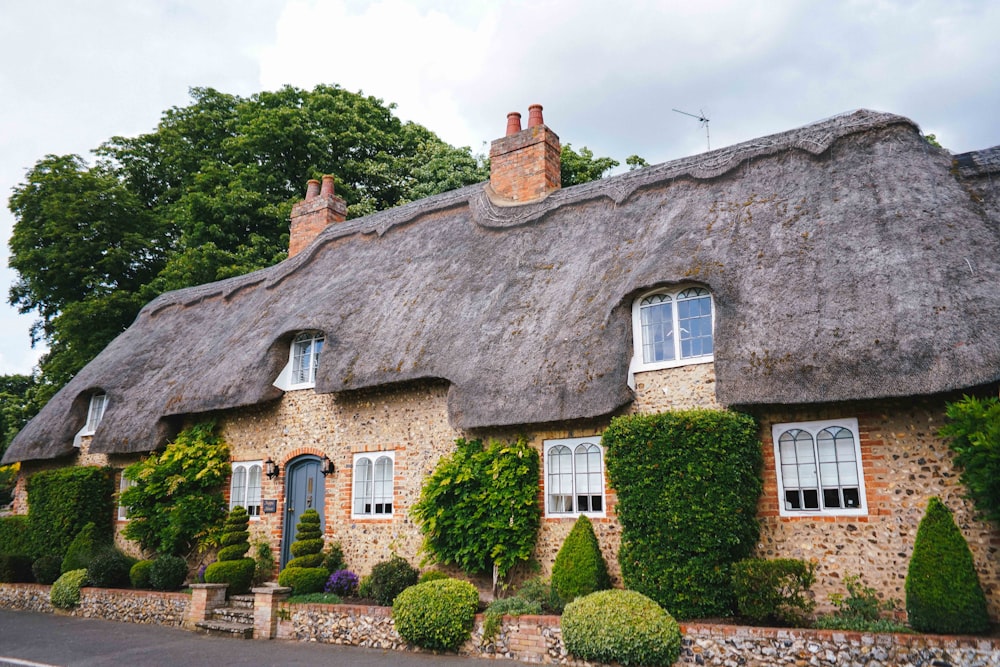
312	189
513	123
327	189
535	115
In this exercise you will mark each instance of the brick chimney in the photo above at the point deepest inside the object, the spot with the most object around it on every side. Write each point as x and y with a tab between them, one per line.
524	165
311	216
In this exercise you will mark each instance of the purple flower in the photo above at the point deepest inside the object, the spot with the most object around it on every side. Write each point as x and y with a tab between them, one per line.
343	583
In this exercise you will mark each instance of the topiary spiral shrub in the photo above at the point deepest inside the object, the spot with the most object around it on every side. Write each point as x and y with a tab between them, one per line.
139	574
65	592
620	626
308	545
774	590
47	569
232	567
579	568
109	568
343	583
389	578
943	594
437	614
303	580
167	573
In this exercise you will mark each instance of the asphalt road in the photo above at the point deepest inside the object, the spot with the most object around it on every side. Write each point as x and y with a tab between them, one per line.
30	639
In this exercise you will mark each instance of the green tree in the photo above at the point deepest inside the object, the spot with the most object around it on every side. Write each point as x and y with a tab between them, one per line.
479	508
18	404
583	167
973	433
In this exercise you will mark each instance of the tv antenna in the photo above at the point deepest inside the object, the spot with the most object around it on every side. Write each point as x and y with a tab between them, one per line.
701	119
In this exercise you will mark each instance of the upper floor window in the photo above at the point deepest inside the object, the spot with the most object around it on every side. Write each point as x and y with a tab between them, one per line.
574	477
819	468
373	484
244	487
672	328
303	360
95	413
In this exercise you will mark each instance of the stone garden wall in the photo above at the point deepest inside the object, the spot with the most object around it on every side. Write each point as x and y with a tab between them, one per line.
126	606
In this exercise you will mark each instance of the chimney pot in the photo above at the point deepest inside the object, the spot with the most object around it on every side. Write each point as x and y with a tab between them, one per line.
513	123
535	115
327	189
312	189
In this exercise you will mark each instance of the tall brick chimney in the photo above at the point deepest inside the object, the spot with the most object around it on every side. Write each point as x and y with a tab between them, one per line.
524	165
311	216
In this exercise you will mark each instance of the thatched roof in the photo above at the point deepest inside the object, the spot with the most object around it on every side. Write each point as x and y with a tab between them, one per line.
847	260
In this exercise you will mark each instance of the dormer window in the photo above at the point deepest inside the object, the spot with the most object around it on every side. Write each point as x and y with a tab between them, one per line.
95	413
672	328
303	360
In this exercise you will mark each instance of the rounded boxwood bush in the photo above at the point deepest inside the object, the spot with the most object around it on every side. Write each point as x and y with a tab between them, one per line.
620	626
139	574
436	614
47	569
579	568
943	594
389	578
237	573
109	568
303	580
65	592
167	573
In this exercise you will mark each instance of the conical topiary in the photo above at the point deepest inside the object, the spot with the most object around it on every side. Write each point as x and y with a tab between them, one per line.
81	549
943	594
233	567
579	568
305	573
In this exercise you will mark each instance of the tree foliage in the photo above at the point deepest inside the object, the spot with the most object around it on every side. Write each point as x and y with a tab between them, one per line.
18	403
204	196
479	508
583	167
177	497
973	432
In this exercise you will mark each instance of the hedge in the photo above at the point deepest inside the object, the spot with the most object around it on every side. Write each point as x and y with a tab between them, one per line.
63	501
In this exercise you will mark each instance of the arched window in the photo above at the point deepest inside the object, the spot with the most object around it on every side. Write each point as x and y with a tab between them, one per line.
303	361
819	468
373	484
244	486
574	477
672	328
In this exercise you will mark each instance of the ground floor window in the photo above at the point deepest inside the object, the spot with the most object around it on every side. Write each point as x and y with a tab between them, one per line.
574	477
373	484
818	465
123	484
244	487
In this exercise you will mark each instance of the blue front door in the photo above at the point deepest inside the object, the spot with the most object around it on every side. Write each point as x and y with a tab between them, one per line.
303	491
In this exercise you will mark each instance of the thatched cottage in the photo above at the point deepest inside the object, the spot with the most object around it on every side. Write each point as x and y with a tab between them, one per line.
837	281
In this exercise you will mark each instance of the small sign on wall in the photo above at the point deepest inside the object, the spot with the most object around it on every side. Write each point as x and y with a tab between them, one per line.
270	505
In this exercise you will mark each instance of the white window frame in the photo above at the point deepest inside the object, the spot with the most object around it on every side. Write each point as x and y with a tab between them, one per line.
563	479
95	413
123	484
814	429
306	346
674	295
242	492
369	494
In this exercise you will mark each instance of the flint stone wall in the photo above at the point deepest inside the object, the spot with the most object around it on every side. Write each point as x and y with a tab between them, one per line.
125	606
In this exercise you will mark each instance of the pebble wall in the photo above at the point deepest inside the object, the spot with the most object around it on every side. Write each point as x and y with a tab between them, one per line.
127	606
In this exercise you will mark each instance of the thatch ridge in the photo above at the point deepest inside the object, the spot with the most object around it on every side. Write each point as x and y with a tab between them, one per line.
846	260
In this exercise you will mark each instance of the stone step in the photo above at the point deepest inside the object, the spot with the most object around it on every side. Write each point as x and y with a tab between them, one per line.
233	615
225	629
241	601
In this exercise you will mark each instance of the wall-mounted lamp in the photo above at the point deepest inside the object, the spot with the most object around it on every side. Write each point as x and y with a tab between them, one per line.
270	468
327	466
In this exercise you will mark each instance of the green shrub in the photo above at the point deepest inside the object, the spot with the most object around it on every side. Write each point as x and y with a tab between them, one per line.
15	569
365	587
859	611
432	575
943	594
232	568
973	433
263	563
109	568
167	573
47	569
620	626
308	545
774	590
687	483
139	574
579	568
65	592
15	536
389	578
63	501
437	615
512	606
333	559
81	549
303	580
537	590
315	598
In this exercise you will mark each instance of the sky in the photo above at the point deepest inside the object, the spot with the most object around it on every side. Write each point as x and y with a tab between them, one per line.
74	73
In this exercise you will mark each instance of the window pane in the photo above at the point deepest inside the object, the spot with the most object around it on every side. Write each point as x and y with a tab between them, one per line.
828	474
811	499
657	331
383	485
238	488
831	498
362	486
694	319
560	479
253	491
852	498
848	473
793	500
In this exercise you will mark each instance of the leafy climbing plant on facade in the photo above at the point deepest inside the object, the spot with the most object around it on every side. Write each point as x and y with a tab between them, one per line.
479	508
